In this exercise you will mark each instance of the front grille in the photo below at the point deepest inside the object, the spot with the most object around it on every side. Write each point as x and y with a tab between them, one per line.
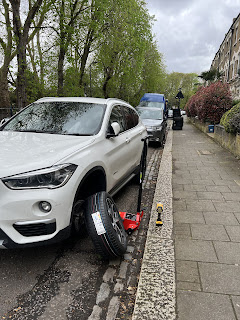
36	229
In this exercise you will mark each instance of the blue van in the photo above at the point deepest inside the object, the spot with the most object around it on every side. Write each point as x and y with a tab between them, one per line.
154	100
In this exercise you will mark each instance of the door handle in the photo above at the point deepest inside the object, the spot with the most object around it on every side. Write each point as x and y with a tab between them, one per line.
128	140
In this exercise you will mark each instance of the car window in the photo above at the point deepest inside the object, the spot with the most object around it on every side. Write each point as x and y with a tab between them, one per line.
71	118
117	116
131	117
150	113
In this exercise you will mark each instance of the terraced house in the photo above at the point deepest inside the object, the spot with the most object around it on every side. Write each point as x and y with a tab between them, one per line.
227	59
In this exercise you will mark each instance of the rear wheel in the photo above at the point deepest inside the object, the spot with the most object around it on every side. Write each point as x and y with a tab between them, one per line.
105	226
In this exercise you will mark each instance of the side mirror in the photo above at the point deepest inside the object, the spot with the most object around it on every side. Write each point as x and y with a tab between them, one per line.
114	130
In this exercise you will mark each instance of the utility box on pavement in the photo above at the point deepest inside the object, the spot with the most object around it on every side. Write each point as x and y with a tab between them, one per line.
211	128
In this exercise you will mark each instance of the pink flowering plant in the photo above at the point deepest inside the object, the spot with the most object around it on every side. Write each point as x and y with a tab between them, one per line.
210	103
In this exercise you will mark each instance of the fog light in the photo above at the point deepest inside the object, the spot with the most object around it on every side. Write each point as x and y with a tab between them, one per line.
45	206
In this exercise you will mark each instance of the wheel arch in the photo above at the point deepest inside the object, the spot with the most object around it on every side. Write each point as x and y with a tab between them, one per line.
94	181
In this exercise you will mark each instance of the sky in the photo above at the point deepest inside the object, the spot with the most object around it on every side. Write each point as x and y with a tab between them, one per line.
190	32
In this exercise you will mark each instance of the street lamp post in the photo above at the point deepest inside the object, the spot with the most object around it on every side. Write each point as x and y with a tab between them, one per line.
179	96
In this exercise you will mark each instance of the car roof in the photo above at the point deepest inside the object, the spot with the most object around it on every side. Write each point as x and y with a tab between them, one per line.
81	99
153	97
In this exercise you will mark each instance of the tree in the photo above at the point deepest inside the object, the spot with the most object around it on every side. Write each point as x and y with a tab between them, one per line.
22	36
176	80
211	75
121	56
210	103
7	49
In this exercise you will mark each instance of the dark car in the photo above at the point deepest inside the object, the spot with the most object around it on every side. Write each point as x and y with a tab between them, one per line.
155	122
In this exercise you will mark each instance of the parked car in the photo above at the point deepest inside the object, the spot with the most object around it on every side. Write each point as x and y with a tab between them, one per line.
155	122
183	112
55	154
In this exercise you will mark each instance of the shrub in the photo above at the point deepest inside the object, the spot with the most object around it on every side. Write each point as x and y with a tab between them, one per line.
210	103
235	122
228	117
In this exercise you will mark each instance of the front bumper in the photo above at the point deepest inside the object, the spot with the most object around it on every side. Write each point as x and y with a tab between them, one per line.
156	135
7	243
23	224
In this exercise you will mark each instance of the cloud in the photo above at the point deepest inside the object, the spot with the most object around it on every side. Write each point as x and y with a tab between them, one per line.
189	32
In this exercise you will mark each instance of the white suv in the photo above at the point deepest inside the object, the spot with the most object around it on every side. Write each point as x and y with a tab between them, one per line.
56	153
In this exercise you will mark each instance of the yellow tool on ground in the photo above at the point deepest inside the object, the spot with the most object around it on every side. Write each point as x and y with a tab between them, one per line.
159	211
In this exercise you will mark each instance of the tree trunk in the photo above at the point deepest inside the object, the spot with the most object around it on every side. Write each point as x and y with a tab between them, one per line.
22	38
85	55
4	93
21	76
60	71
105	83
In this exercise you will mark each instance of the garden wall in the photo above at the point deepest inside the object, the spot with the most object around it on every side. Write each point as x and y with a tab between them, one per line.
227	140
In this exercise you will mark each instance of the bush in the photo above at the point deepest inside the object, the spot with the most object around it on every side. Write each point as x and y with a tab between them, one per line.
229	119
235	122
210	103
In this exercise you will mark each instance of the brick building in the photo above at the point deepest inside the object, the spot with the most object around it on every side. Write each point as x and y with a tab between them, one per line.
227	59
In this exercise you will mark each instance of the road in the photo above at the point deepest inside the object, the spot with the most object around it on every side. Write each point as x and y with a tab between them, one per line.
69	280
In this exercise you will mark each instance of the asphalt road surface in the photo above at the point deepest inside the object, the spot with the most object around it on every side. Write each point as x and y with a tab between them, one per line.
69	280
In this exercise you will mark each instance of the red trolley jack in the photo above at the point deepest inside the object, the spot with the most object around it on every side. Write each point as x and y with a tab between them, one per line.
131	221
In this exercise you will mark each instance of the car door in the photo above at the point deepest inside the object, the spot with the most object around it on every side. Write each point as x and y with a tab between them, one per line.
119	150
134	134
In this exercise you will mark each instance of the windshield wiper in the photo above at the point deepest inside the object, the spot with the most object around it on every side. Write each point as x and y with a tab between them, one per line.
77	134
39	131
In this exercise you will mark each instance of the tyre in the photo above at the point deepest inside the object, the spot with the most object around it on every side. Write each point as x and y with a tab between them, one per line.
105	226
78	226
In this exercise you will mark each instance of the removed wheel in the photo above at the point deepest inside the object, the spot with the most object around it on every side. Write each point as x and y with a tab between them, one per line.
104	225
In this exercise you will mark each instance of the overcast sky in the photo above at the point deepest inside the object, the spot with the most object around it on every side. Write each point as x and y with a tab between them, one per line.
189	32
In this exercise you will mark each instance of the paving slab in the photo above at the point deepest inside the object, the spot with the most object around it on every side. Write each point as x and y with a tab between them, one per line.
228	252
233	233
200	205
236	305
224	218
210	195
188	217
195	250
209	232
187	271
226	206
203	306
220	278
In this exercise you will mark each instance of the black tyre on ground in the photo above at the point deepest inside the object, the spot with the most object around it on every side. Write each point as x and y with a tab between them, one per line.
105	226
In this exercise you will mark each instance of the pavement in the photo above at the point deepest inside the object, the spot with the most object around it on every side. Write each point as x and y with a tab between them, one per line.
191	265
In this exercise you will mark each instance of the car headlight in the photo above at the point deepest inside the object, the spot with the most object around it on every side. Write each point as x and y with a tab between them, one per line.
159	128
51	178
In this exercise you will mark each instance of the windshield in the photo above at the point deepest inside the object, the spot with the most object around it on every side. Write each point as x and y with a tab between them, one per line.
71	118
146	113
152	104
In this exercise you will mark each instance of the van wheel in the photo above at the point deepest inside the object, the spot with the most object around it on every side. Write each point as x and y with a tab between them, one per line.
105	226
